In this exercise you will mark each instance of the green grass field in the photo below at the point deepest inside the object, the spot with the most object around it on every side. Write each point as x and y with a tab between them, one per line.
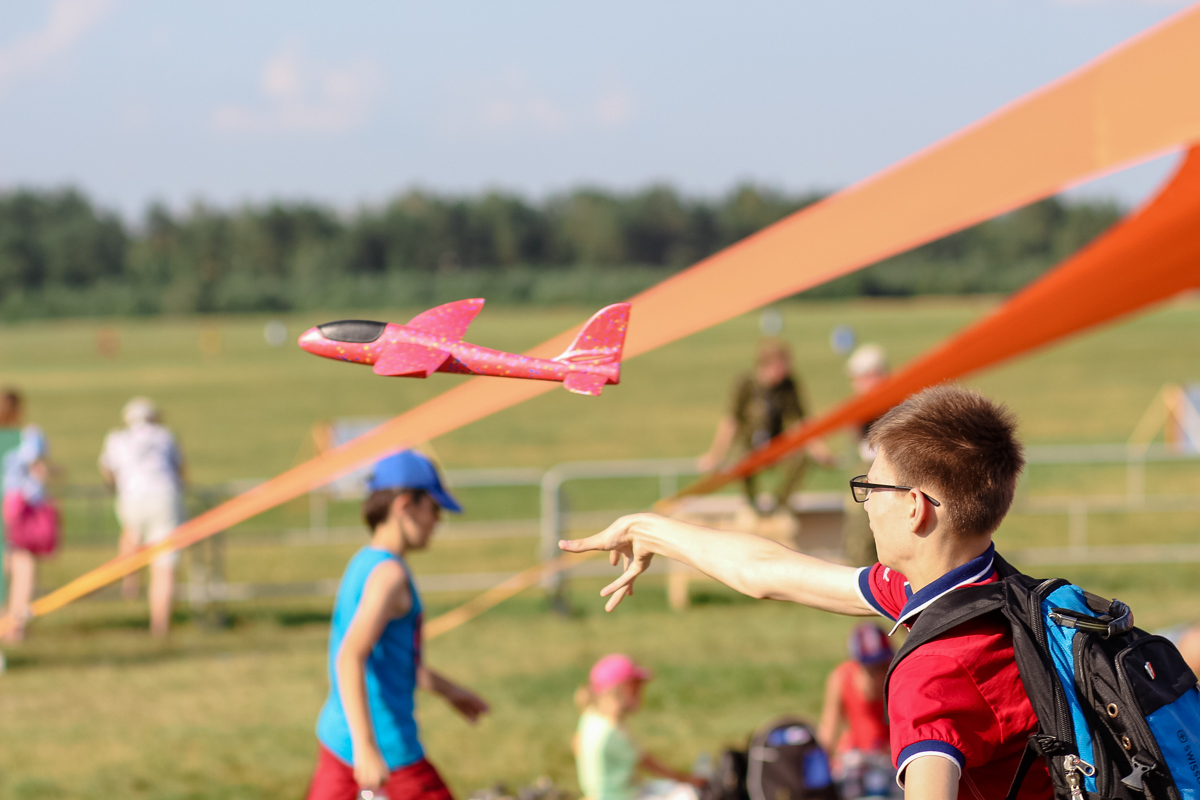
90	707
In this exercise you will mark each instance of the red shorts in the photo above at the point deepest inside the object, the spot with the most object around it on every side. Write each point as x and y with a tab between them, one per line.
334	780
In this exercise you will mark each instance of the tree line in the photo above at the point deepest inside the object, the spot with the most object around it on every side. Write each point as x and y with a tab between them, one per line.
62	254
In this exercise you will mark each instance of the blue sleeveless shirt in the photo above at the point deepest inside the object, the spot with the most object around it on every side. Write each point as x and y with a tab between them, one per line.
391	671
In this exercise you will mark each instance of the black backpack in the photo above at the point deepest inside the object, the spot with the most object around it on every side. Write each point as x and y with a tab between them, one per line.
729	777
1118	709
785	762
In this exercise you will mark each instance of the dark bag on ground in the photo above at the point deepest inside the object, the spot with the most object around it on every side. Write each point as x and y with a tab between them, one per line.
729	777
1118	709
785	762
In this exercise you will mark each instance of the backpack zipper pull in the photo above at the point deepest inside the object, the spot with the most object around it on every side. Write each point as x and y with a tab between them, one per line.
1073	781
1076	769
1136	779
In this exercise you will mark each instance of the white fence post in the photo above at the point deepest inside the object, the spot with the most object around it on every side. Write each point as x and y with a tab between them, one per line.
551	532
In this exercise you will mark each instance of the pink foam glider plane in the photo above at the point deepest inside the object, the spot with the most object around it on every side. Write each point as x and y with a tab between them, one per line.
432	342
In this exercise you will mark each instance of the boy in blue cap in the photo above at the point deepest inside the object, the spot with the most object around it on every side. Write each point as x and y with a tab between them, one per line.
367	731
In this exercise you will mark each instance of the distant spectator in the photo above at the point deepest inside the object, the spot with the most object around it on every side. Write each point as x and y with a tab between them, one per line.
10	439
31	522
853	719
606	757
764	403
143	463
867	368
1189	646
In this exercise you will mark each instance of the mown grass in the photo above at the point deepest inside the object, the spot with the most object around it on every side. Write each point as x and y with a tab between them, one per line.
90	707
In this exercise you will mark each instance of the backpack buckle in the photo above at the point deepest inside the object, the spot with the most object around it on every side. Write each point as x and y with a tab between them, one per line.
1136	779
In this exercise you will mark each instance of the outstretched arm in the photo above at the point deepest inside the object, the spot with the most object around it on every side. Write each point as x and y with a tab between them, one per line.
664	770
750	564
464	701
831	713
722	440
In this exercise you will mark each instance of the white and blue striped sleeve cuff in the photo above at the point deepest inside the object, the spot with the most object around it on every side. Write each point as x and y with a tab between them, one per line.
929	747
862	584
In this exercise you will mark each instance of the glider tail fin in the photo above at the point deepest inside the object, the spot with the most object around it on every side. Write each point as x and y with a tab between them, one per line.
602	339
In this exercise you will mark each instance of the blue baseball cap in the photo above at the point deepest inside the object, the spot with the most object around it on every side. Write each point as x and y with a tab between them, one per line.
409	469
868	645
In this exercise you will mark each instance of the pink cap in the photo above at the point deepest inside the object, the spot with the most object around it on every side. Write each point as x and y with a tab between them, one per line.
615	669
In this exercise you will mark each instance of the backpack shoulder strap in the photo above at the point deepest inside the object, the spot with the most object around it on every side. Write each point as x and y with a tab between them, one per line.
946	613
964	605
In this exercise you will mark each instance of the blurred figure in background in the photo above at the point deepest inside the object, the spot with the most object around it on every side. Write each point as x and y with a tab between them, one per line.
1189	646
854	724
606	757
143	463
10	439
764	403
31	522
867	368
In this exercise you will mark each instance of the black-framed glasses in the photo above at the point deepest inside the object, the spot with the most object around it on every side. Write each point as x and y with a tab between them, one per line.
861	488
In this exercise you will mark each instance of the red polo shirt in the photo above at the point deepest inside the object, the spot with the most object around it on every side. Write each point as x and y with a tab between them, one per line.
958	697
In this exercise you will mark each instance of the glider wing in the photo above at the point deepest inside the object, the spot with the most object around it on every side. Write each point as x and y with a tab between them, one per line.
450	320
410	360
584	383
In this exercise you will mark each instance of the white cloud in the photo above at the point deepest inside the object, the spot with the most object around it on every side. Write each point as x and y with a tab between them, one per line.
614	108
302	96
511	102
69	21
1164	3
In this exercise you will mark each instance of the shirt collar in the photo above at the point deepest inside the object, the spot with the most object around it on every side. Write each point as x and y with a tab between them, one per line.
974	571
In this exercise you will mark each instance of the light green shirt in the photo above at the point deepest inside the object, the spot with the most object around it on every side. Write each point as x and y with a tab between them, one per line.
606	759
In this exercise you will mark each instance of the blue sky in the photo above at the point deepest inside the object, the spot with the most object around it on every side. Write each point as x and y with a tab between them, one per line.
351	102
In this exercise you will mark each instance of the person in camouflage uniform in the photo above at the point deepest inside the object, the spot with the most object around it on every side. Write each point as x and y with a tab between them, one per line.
764	403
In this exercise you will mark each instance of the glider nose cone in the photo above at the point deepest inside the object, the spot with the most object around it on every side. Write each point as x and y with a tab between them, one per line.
312	341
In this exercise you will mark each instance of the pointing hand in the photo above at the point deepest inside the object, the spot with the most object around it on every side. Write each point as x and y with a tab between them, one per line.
623	541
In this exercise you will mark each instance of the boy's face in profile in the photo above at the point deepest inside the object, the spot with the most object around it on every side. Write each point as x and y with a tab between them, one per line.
418	520
889	513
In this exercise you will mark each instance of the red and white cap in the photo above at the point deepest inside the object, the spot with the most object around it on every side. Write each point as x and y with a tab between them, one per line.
613	670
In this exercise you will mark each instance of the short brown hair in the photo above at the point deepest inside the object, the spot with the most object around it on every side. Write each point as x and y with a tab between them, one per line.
961	447
378	505
771	348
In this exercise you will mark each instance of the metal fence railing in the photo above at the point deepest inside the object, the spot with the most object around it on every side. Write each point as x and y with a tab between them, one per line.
206	574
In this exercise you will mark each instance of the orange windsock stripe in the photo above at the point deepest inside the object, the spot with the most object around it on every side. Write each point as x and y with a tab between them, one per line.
1152	255
1132	103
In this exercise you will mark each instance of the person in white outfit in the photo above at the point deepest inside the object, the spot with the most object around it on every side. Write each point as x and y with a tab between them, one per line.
143	463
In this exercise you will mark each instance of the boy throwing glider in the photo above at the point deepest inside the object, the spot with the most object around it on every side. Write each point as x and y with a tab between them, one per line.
943	480
367	731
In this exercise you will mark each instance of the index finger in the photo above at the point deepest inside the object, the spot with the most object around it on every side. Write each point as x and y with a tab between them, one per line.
604	540
584	545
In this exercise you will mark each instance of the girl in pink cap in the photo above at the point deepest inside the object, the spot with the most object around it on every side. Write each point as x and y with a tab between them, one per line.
606	756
